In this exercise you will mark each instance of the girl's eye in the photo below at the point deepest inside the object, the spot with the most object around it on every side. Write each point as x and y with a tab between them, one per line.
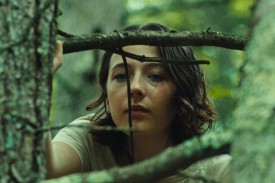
120	77
156	77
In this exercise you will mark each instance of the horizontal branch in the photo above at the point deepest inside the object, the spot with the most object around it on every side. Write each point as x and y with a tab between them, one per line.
165	164
90	127
143	58
154	38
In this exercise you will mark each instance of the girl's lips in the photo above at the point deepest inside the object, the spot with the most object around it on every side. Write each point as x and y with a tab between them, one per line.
137	114
138	108
138	111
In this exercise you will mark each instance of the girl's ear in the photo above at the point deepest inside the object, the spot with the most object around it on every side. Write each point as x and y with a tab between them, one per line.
107	101
107	104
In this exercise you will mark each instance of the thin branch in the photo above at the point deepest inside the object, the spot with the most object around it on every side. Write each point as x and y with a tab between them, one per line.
65	34
154	38
163	165
143	58
90	127
129	108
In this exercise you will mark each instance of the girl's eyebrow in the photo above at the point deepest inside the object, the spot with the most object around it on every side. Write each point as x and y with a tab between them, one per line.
155	64
119	65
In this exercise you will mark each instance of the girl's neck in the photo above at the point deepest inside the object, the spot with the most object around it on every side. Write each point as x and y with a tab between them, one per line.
147	146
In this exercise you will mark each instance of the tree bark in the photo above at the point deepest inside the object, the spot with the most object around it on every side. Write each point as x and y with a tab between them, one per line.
254	117
27	39
123	38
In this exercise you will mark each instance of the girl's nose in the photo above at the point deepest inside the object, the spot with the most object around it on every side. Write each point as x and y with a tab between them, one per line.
137	88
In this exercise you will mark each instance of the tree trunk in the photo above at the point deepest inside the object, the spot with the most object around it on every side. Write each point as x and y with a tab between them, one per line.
254	118
75	84
27	39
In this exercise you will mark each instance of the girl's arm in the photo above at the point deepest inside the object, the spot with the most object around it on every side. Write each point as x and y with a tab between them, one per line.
61	159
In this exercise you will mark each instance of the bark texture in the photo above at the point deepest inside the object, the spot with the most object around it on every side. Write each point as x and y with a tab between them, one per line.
123	38
254	117
27	37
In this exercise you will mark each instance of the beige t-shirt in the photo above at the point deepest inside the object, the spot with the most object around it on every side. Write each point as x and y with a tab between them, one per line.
95	156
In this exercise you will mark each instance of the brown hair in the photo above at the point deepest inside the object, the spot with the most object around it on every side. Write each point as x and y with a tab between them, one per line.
194	111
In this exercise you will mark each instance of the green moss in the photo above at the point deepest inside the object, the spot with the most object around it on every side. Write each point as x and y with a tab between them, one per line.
253	146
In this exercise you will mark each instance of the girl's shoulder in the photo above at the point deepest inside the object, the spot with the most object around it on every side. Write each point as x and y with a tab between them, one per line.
93	155
87	119
215	169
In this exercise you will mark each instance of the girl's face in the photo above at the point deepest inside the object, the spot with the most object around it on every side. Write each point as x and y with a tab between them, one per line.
152	92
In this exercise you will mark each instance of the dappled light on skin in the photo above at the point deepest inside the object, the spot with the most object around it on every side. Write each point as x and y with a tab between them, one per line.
151	92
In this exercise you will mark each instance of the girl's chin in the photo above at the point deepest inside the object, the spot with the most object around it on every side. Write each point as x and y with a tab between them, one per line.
141	132
139	127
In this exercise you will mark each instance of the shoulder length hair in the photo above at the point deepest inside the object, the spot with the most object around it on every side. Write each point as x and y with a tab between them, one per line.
194	110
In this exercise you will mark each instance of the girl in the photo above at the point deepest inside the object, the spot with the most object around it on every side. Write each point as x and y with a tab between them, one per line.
169	105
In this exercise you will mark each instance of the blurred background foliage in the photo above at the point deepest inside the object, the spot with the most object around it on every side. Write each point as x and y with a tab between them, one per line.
75	83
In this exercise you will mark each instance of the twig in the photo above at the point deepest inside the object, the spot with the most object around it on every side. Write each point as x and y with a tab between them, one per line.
143	58
154	38
129	108
65	34
90	127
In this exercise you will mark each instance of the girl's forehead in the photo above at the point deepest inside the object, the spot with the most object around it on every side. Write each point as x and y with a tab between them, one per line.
141	50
